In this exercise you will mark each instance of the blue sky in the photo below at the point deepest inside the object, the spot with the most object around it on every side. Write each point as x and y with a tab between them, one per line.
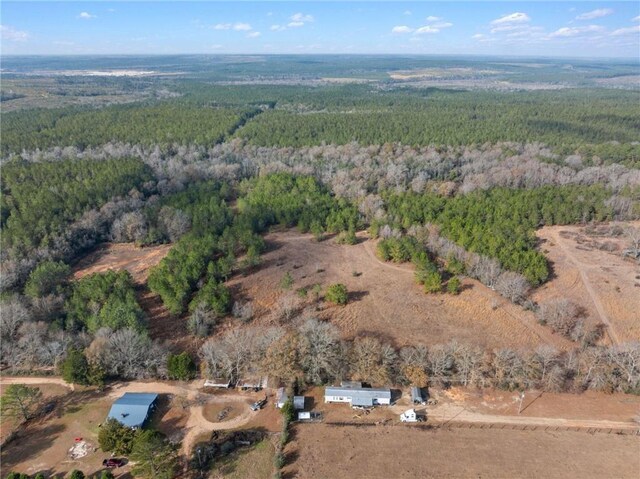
543	28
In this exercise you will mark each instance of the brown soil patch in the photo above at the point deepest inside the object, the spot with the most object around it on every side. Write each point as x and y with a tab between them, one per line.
590	405
216	412
401	451
119	256
384	301
602	282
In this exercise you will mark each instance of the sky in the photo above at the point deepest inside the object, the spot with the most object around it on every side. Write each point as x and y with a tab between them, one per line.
514	28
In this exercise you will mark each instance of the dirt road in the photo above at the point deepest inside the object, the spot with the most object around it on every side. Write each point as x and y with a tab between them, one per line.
582	269
35	380
454	413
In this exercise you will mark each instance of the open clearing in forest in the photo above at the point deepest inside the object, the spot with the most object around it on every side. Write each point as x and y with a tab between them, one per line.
119	256
405	451
385	301
606	284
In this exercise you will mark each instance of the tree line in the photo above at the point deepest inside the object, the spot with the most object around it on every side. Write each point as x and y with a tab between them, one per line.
313	353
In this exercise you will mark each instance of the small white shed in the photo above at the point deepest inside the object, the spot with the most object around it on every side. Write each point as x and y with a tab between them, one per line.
281	398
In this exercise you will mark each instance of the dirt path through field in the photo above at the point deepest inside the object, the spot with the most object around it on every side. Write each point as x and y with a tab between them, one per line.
582	270
35	380
453	413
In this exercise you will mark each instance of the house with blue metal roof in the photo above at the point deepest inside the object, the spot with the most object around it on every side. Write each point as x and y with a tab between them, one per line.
133	409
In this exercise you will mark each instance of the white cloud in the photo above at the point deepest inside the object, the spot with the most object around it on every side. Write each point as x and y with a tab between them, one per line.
277	28
431	18
86	16
401	29
63	43
517	17
598	13
301	17
269	14
479	36
574	31
626	31
407	12
427	29
253	35
238	27
295	24
636	19
10	34
242	27
442	25
216	46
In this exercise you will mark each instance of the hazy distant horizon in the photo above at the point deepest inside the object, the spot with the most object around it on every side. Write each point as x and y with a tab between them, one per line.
513	28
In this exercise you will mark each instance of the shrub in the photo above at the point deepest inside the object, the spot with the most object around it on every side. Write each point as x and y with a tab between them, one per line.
181	366
287	281
288	412
432	282
337	294
453	286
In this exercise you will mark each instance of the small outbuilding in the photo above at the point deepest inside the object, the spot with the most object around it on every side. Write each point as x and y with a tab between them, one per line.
217	383
281	398
298	403
255	383
133	409
416	396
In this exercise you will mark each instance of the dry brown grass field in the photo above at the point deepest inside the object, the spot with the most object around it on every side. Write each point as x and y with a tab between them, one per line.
385	301
606	284
402	451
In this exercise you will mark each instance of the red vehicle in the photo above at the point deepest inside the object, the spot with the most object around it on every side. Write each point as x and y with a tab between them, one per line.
113	463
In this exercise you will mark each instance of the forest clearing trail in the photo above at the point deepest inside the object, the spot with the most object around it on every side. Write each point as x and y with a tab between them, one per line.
581	268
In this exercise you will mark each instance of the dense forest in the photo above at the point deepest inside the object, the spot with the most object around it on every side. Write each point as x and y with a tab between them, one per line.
164	123
500	223
39	200
454	181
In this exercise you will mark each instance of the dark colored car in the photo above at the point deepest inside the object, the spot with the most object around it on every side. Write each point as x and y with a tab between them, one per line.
113	463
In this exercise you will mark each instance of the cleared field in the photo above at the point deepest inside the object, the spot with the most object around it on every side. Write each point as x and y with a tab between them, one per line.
119	256
44	444
319	450
602	282
384	300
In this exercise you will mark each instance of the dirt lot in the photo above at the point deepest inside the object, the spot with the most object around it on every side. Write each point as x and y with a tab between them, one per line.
602	282
119	256
43	446
384	299
399	451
